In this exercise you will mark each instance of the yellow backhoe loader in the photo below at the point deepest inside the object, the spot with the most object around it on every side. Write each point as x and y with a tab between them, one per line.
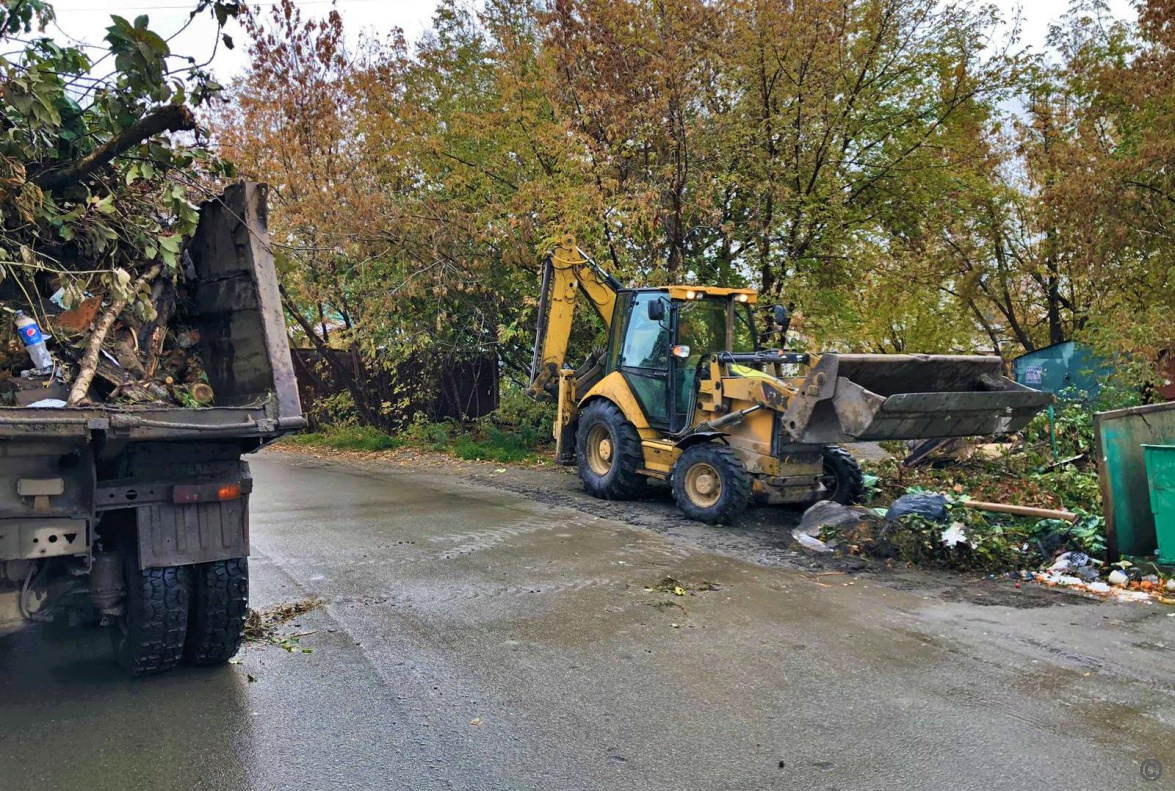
687	391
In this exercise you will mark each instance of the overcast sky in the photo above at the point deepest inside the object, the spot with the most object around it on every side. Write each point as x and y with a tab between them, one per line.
86	20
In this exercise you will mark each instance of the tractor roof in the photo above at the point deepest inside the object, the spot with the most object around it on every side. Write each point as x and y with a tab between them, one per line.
697	292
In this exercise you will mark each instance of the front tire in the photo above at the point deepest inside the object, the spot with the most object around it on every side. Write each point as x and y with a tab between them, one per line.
149	636
710	484
220	603
608	453
843	480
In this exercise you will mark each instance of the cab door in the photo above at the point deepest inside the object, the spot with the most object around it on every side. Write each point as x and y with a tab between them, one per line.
643	357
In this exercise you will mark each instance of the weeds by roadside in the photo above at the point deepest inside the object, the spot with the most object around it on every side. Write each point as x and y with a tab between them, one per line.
517	432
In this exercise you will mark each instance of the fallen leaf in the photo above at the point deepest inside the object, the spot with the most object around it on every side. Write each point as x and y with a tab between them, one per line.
251	678
475	721
80	317
679	591
500	469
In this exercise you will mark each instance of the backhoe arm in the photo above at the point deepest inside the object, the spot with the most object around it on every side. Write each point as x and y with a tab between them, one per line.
566	272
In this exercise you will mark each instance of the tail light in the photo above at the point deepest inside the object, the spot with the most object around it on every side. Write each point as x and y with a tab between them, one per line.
207	492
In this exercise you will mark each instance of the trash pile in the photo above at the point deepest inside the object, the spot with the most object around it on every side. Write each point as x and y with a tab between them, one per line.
1124	580
922	528
61	346
952	530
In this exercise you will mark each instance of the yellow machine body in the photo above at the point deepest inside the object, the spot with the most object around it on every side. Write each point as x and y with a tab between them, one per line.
685	366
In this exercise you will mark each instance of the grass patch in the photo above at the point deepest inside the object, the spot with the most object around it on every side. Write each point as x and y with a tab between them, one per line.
493	444
348	438
478	442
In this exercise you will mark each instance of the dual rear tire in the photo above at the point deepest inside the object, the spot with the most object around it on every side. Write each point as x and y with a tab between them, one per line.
180	613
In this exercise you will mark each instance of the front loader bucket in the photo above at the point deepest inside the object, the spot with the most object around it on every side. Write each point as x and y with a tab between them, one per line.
906	396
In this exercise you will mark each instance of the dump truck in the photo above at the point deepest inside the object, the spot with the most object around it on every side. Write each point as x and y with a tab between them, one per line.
137	518
689	391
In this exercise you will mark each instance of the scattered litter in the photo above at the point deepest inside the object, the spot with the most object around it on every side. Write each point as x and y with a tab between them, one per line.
252	678
954	535
48	403
1118	577
928	505
827	518
476	721
809	542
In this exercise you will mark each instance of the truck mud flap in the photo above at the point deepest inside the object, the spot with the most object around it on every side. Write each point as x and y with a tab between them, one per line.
179	535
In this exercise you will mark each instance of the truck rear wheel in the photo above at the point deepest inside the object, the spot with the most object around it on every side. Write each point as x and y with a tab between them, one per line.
608	453
710	483
220	603
149	635
842	479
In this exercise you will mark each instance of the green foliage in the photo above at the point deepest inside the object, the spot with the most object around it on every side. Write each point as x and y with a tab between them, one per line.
90	192
432	435
336	410
522	414
492	444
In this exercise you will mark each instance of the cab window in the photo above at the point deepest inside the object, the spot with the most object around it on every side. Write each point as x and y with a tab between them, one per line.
701	325
646	342
744	329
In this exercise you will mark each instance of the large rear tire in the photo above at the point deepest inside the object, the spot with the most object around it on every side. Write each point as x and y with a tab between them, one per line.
220	603
843	480
608	453
149	635
710	484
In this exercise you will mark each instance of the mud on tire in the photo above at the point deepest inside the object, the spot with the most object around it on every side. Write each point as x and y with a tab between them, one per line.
614	477
843	481
710	483
149	635
219	605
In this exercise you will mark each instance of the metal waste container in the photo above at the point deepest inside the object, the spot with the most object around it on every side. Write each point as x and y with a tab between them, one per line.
1160	474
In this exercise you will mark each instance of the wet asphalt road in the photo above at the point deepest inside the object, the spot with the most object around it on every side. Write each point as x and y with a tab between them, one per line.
472	638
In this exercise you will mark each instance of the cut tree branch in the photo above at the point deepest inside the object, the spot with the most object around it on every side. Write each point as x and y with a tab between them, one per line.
172	118
89	364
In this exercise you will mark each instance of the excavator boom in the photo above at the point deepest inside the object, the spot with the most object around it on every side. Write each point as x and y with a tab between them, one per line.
566	272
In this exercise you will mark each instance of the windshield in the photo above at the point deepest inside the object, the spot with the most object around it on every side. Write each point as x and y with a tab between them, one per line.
701	325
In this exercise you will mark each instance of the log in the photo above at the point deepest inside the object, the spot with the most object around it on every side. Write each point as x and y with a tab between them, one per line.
89	363
1022	510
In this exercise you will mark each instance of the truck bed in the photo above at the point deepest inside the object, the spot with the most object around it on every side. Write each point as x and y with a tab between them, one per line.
243	345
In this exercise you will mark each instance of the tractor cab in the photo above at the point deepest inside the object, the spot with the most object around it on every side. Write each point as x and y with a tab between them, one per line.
660	336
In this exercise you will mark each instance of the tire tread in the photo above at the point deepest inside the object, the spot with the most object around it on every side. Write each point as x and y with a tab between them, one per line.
220	604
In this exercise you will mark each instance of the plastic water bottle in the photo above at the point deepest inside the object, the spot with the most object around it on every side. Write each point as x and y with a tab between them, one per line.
34	342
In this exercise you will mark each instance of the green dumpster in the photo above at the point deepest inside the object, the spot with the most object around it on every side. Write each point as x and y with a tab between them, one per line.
1160	473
